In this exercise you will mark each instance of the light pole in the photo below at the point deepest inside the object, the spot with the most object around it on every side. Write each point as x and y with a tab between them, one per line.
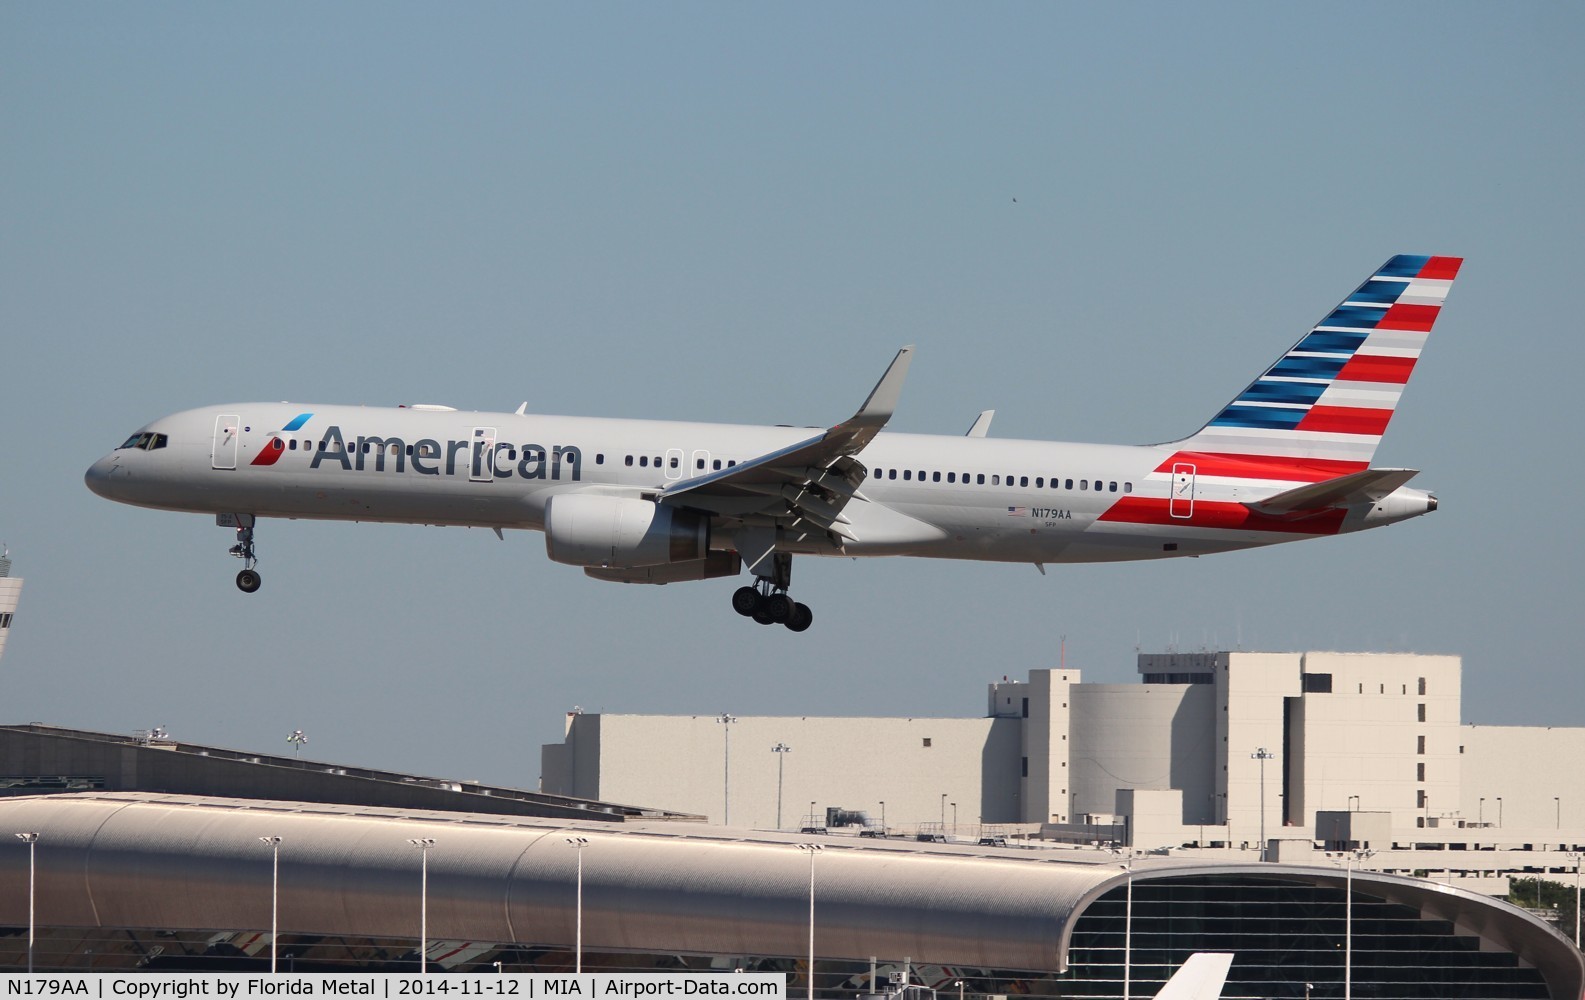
811	850
297	739
275	893
954	819
424	845
578	844
726	721
883	817
1557	802
1349	857
943	814
1262	754
1499	812
32	840
1480	814
1576	857
959	985
781	750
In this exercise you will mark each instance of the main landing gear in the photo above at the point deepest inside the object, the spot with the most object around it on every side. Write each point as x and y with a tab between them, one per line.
767	602
768	606
249	579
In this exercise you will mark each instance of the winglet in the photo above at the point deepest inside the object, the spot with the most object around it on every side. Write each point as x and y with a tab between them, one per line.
982	424
1200	978
882	401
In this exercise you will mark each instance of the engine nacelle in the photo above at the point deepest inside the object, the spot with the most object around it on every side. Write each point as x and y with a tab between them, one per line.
584	529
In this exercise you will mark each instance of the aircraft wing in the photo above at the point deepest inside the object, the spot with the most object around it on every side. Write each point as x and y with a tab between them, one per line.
810	481
1368	486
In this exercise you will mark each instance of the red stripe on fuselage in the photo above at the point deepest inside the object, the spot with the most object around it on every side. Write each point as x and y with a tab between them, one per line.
1345	420
1221	514
1287	470
1377	368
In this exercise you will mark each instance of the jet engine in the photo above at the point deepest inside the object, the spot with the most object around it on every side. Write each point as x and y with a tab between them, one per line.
583	529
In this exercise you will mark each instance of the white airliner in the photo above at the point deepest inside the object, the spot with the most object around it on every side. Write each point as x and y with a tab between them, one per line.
649	501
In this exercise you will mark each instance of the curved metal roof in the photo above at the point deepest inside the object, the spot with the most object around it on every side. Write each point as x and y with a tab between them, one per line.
138	860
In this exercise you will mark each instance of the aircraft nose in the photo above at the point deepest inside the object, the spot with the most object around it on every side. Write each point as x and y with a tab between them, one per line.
98	475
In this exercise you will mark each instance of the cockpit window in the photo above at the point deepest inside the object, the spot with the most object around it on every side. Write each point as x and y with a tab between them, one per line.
145	441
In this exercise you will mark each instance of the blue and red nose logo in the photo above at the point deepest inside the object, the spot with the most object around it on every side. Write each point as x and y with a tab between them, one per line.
275	446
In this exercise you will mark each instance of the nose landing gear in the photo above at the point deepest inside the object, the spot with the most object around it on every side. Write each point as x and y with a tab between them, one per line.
248	580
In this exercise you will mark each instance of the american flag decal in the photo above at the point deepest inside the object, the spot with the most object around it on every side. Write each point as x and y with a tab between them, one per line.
1018	512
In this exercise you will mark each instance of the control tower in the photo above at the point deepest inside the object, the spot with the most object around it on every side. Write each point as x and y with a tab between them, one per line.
10	593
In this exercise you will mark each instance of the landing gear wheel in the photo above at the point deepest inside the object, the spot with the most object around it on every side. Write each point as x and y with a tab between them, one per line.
745	601
801	618
249	580
763	616
779	607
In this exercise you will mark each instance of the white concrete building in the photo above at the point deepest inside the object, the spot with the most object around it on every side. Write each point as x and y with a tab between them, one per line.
1362	748
10	594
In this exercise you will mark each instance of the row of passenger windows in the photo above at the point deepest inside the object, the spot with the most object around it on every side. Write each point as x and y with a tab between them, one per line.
979	479
147	441
674	462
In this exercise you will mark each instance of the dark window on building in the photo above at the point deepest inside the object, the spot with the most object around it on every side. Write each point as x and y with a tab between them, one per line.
1318	683
1422	687
1419	771
1024	767
1026	708
1422	712
927	741
1421	739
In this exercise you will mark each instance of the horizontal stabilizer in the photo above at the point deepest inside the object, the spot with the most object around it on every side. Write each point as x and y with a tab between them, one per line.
1200	978
1368	486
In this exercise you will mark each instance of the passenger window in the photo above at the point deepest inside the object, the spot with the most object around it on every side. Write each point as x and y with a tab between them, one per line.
657	461
891	473
908	473
1039	481
1084	484
935	477
716	465
698	463
1112	487
1128	487
1070	484
1023	480
996	480
599	458
628	460
731	463
291	445
952	477
979	479
643	461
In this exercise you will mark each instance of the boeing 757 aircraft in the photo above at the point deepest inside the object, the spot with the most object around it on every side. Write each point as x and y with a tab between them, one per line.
650	501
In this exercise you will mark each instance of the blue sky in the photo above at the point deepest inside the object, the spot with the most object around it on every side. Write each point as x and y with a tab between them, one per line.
1101	220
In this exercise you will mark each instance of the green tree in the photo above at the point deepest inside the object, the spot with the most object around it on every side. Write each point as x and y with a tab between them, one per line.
1546	894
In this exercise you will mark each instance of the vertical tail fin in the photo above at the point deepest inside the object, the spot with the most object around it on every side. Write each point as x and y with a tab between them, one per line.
1329	398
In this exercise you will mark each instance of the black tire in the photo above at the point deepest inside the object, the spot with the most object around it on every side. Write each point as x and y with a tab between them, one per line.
780	608
801	618
763	616
249	580
745	601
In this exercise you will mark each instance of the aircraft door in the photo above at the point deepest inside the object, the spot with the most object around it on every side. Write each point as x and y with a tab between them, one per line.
228	433
1182	502
674	460
481	458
